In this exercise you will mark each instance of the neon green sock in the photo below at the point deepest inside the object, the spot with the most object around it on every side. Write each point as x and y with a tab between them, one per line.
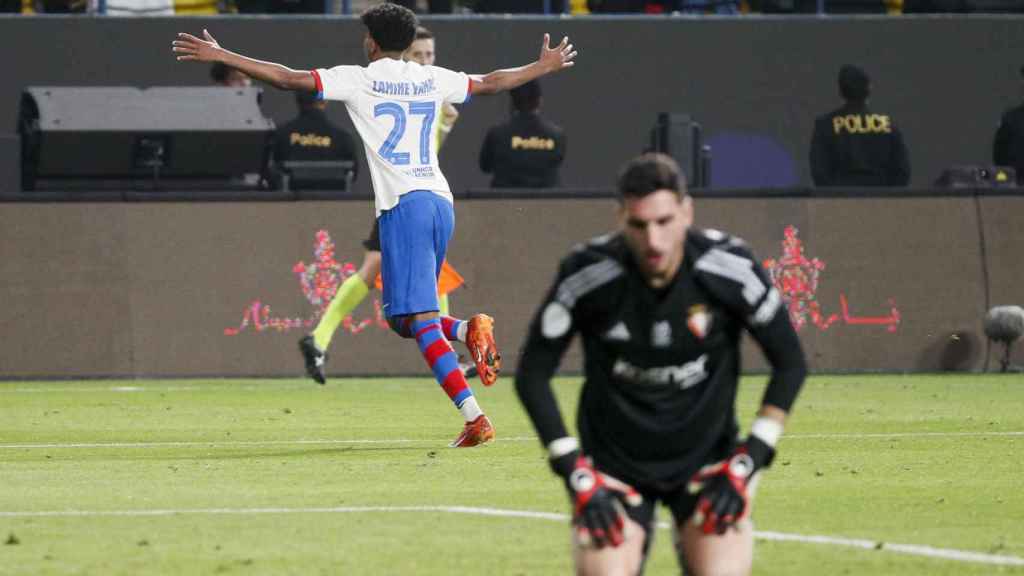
349	295
442	304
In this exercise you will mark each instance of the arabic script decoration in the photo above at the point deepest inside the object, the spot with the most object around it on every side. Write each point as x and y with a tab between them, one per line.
319	281
796	277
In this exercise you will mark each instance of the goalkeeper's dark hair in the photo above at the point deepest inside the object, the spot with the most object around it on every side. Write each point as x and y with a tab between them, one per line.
649	173
391	26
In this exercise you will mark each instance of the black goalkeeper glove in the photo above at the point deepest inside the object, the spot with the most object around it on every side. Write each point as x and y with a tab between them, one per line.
598	513
722	487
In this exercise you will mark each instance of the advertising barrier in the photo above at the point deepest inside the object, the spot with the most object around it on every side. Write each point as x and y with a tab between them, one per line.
227	289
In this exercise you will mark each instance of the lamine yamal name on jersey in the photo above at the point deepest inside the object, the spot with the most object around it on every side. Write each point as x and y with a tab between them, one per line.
386	88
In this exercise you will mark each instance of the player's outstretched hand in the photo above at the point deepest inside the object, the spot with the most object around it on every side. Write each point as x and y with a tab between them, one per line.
189	47
598	513
557	58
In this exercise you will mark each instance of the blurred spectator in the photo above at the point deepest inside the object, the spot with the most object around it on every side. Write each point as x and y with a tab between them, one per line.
853	146
622	6
282	6
297	7
1008	148
225	75
707	6
48	6
527	151
433	6
312	137
963	6
139	8
198	7
517	6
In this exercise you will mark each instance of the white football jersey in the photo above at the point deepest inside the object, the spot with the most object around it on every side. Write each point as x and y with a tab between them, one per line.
395	105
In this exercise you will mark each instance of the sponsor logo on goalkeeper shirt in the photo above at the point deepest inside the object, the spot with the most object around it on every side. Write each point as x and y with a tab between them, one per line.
684	376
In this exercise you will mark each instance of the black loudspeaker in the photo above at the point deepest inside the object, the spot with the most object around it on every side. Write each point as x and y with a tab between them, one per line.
122	133
975	176
678	136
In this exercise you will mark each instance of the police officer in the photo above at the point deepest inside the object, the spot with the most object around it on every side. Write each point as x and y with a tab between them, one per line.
1008	148
854	146
312	137
527	151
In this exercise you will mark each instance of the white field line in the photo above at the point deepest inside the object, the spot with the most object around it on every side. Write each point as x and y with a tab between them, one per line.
855	435
243	443
131	388
439	441
909	549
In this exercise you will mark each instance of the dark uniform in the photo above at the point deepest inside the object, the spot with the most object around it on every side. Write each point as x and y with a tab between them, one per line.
662	366
372	241
525	152
312	137
1008	148
853	146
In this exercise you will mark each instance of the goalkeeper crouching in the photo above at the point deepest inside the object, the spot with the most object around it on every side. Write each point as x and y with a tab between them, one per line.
660	307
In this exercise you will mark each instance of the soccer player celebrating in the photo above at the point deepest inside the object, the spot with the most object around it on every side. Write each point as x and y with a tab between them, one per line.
356	287
394	104
660	308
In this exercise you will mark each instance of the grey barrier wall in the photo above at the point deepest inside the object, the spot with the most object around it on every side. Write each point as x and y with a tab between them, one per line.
754	83
184	289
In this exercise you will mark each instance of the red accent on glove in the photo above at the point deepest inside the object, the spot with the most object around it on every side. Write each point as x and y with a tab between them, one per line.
586	482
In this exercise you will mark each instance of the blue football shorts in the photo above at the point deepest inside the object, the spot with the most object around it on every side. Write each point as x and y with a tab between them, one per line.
413	242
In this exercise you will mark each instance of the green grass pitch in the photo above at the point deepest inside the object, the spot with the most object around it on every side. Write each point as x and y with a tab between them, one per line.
286	477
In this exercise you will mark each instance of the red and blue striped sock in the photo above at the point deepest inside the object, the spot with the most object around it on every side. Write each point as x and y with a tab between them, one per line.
454	329
445	364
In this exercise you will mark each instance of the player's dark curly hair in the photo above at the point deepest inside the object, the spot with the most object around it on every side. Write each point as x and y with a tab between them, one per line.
391	26
649	173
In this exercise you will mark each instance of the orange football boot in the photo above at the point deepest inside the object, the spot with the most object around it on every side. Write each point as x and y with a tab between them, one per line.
482	349
475	433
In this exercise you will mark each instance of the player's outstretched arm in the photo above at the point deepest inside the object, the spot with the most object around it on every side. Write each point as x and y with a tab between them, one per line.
551	60
190	48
